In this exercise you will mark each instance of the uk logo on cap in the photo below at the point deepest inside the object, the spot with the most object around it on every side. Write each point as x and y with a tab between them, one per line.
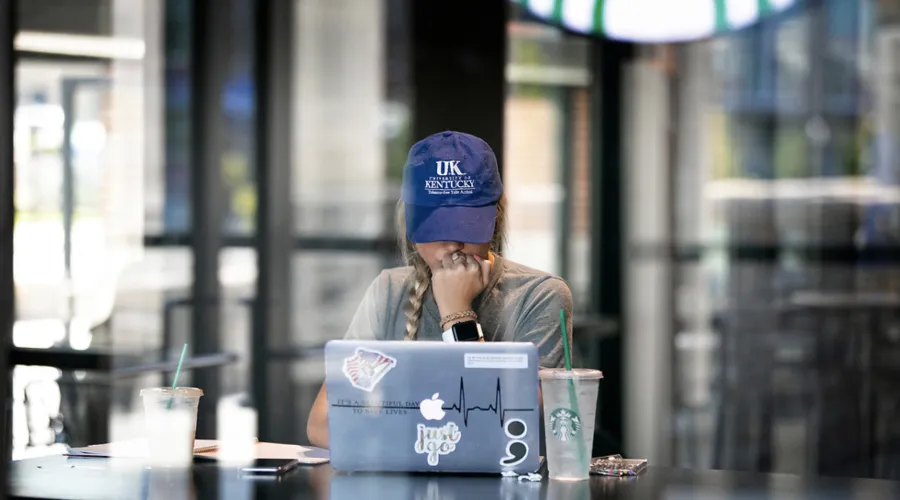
451	185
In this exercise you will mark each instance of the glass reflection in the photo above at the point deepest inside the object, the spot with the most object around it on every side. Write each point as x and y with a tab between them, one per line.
782	310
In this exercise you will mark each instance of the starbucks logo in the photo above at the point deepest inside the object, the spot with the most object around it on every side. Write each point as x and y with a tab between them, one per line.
565	424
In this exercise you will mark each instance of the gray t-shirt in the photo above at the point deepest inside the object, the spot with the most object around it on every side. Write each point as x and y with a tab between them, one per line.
519	304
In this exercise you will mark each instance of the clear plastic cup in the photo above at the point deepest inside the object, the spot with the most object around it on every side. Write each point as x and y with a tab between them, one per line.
570	406
171	424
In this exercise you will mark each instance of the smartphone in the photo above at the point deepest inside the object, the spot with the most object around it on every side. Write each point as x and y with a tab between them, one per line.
270	466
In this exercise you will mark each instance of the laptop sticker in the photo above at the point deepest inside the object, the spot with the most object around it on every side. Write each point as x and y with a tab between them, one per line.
564	424
436	441
432	409
496	407
516	450
495	361
367	367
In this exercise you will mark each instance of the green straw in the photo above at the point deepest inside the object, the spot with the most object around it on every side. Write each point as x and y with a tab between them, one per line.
177	373
573	398
565	337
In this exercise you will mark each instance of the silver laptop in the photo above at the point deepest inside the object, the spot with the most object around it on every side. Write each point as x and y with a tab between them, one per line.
433	406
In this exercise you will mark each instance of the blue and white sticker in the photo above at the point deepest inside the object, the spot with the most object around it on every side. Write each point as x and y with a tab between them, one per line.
367	367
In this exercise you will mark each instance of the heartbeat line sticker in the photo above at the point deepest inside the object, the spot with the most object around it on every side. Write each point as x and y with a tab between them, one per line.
367	367
496	407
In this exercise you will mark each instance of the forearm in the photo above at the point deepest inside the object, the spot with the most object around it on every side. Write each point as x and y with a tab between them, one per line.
317	424
540	400
317	431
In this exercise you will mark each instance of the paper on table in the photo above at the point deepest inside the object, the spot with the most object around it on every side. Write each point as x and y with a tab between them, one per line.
304	454
134	448
137	448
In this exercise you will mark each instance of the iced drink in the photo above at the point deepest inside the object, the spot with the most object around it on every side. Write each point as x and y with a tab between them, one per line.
570	404
171	424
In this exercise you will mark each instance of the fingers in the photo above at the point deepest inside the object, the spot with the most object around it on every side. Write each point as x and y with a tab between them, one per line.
453	260
447	261
465	262
472	264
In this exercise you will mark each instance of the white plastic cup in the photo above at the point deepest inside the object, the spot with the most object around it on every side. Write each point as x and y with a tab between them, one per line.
568	423
237	432
170	417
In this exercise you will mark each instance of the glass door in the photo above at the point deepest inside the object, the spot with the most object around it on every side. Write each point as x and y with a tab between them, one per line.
103	298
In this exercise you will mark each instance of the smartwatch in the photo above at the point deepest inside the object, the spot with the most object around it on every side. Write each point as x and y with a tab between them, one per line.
464	331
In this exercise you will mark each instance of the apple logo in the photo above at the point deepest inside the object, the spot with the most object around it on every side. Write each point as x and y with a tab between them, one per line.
432	409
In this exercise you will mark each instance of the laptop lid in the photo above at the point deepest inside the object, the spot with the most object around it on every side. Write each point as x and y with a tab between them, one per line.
433	406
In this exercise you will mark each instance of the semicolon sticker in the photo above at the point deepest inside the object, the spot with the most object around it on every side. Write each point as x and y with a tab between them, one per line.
367	367
436	441
516	449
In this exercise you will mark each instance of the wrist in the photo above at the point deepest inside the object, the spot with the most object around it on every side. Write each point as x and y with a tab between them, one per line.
449	324
451	319
454	308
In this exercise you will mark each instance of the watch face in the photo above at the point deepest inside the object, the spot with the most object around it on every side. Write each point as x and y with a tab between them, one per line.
466	331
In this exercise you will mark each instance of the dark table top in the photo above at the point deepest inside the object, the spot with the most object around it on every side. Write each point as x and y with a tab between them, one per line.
88	478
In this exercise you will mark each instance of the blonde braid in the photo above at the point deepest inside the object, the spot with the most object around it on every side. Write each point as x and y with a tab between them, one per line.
421	282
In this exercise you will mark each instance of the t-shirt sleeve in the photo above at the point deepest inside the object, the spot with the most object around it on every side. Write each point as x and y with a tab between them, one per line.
368	321
539	322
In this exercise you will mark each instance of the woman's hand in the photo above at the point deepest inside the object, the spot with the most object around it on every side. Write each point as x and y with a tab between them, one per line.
458	281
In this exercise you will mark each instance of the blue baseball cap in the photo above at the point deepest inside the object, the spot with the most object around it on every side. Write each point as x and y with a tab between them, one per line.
451	185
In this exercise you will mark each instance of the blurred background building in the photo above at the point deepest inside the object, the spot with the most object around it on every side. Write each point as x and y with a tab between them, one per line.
725	209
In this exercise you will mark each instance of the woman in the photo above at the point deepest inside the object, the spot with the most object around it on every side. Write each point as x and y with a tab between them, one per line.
452	222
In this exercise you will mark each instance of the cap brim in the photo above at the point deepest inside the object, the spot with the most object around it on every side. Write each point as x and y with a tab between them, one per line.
463	224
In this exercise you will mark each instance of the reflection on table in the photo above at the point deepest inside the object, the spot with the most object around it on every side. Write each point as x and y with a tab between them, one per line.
70	478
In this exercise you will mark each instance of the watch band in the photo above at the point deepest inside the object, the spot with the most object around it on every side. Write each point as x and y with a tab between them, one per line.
450	336
458	315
